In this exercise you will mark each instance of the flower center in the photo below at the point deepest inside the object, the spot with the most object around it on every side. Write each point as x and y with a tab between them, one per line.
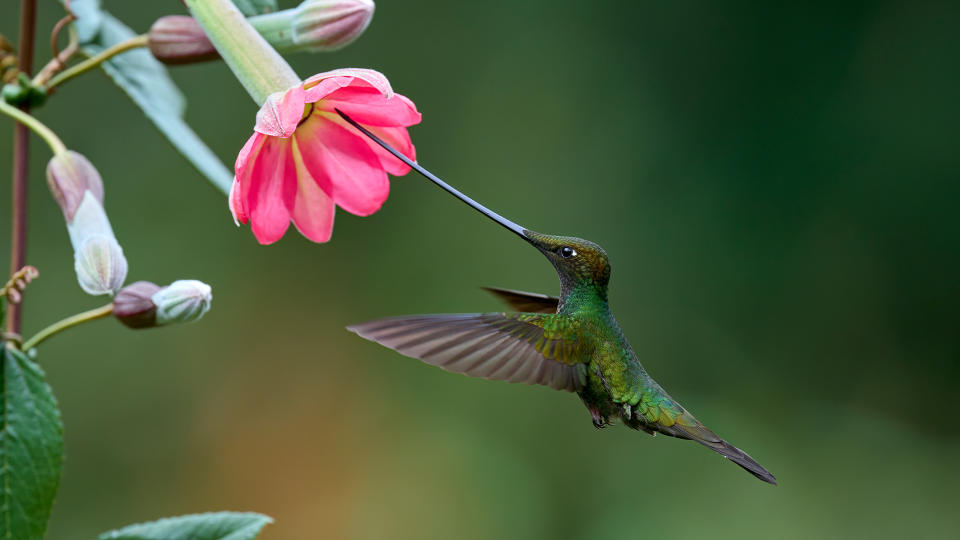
307	111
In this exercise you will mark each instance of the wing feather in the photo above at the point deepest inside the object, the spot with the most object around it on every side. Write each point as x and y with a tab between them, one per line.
512	347
525	301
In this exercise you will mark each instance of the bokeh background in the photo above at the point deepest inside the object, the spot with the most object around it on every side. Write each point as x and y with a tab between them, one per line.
777	187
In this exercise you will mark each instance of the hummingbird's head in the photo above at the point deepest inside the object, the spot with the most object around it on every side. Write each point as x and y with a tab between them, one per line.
578	261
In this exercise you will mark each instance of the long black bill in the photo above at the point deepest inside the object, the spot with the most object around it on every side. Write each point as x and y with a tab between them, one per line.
433	178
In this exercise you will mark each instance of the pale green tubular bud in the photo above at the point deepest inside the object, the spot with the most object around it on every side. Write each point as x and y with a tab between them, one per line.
77	188
100	265
258	66
184	300
89	219
315	25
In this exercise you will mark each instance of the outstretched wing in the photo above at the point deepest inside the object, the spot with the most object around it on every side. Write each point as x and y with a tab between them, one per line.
524	301
514	347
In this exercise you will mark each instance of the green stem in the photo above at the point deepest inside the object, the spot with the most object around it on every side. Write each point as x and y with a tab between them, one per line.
56	145
256	64
96	60
69	322
276	28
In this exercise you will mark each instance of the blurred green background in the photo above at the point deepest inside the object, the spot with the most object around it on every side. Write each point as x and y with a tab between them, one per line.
776	185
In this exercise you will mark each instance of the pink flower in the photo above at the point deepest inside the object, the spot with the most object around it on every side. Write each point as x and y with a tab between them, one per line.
303	158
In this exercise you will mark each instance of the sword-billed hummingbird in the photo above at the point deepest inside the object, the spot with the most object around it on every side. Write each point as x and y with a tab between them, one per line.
570	343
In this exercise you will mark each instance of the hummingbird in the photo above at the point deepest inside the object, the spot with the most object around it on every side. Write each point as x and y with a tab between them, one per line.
571	342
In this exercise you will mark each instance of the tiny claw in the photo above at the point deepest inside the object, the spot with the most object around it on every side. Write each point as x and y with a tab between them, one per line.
599	421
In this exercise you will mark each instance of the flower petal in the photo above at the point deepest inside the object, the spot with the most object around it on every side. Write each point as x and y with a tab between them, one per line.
343	164
322	84
369	107
281	113
313	209
239	200
268	188
399	139
236	203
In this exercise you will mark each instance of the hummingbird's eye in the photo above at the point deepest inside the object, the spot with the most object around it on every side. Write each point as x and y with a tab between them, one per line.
566	252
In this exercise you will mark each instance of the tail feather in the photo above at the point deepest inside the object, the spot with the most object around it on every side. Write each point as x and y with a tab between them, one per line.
712	441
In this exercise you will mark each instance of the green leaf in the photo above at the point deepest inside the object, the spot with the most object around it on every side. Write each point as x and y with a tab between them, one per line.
89	18
255	7
213	526
146	81
31	448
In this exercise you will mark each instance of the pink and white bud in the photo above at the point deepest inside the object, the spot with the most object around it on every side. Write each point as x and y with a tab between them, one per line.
327	25
100	265
314	25
78	190
184	300
179	39
134	307
70	176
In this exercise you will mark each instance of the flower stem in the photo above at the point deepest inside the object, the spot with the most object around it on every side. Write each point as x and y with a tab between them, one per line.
59	61
95	61
256	64
28	120
275	28
21	163
69	322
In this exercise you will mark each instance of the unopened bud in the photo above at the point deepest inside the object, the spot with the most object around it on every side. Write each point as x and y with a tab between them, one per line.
78	189
88	219
184	300
134	307
100	265
70	176
314	25
179	39
326	25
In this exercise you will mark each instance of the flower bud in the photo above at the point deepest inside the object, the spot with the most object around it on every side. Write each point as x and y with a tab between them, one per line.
100	265
77	188
134	307
184	300
326	25
315	25
179	39
89	219
70	176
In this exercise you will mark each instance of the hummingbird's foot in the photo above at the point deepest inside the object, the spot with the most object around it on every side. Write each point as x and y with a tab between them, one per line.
599	420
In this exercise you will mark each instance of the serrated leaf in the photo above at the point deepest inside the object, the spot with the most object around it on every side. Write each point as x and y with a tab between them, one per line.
212	526
31	448
89	17
255	7
146	81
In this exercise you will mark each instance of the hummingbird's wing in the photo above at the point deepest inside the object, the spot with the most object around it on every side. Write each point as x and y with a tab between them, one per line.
513	347
525	301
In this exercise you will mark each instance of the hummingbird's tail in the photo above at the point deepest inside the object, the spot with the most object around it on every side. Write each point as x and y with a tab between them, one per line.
697	432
